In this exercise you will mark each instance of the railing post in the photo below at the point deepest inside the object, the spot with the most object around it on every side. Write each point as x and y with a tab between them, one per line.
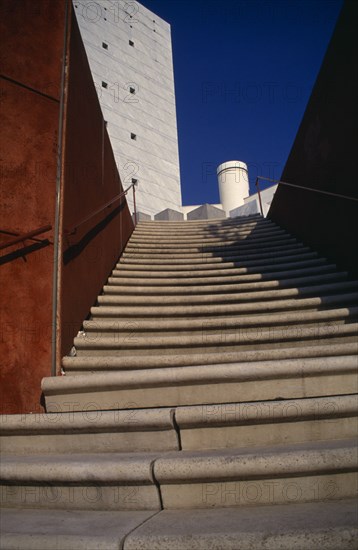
259	195
134	205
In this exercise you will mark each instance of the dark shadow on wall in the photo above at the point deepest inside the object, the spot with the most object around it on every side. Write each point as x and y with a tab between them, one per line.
324	157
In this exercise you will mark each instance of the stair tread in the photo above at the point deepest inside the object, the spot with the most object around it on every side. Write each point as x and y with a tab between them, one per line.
41	529
328	525
325	525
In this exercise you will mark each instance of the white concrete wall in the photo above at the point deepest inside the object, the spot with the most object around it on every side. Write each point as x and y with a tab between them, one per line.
150	112
252	205
186	209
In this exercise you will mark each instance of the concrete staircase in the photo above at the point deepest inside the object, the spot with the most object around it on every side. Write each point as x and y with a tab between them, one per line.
211	403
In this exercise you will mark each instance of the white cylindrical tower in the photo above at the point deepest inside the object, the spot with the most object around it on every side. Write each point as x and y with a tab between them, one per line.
233	184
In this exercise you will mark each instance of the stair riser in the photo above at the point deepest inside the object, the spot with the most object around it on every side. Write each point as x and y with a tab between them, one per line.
177	394
267	491
132	349
91	442
94	495
269	434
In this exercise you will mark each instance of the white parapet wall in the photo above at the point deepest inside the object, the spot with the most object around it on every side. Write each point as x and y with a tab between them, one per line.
252	204
130	55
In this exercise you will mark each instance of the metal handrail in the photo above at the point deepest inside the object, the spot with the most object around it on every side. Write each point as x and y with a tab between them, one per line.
298	187
26	236
72	230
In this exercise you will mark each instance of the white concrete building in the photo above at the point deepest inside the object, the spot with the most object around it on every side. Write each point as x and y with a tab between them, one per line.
130	55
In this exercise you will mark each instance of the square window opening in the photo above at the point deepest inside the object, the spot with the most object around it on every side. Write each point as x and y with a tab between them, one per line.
131	43
104	84
104	46
131	90
133	136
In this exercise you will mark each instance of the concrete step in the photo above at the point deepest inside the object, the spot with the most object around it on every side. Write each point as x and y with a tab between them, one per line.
125	282
238	286
164	225
226	249
192	242
327	525
102	363
61	529
111	481
170	290
297	526
178	479
210	230
259	263
212	478
199	241
132	329
235	295
255	268
211	310
214	342
226	382
219	426
212	222
267	423
90	431
187	259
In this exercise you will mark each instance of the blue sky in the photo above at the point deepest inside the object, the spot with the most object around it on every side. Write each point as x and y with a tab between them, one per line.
244	71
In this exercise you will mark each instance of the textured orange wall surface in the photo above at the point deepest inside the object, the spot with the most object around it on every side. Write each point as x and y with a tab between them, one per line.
32	35
91	180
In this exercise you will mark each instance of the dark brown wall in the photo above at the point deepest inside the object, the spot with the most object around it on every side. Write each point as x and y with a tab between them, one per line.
324	155
31	65
91	180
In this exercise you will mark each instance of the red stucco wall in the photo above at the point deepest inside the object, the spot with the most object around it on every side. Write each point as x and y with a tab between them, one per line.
31	63
33	37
